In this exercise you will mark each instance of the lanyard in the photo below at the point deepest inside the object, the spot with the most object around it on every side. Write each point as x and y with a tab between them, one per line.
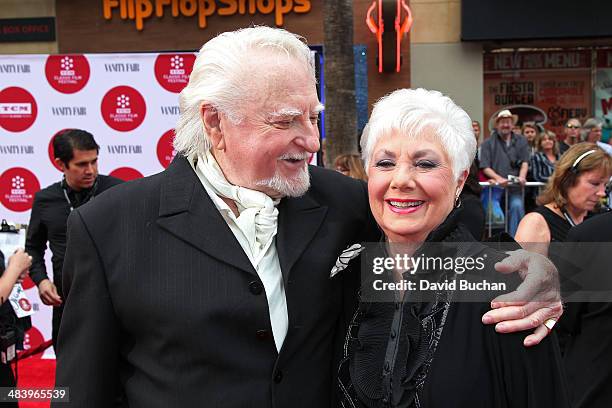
569	219
88	198
68	199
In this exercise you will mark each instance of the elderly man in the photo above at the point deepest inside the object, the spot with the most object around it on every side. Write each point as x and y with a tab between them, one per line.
506	154
208	284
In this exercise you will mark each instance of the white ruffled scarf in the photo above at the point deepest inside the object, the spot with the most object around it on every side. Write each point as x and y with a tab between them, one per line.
258	213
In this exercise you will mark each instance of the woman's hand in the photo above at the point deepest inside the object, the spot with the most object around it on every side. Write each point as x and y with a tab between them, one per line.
19	263
535	301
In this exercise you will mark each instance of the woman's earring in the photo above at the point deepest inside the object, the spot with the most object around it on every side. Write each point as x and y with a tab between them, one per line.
457	201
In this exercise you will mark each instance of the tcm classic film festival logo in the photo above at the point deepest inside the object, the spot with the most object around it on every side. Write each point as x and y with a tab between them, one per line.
67	73
123	108
18	109
172	71
17	189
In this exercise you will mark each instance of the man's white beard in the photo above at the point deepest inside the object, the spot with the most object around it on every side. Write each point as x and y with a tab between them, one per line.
288	187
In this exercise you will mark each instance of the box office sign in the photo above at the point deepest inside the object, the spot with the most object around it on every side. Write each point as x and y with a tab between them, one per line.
141	10
548	87
27	29
603	91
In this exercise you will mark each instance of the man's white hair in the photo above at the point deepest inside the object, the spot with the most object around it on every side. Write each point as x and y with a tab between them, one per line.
410	112
222	76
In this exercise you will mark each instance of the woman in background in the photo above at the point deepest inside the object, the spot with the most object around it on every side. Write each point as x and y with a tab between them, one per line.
17	269
350	165
542	163
575	188
530	131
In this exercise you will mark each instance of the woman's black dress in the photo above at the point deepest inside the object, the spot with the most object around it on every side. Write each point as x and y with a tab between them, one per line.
438	354
558	226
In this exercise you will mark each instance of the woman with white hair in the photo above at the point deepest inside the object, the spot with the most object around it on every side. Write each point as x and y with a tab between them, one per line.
428	349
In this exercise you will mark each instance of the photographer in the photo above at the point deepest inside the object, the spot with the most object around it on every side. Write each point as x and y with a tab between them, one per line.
16	271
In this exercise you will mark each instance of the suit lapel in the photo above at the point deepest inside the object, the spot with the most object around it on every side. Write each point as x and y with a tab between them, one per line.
298	221
187	212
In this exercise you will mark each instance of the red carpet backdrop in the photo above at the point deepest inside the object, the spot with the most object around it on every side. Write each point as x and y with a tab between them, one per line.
129	102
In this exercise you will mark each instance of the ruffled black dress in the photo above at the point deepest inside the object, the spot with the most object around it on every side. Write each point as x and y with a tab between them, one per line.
437	353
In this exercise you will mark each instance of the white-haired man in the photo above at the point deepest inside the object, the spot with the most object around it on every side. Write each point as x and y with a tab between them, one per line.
208	284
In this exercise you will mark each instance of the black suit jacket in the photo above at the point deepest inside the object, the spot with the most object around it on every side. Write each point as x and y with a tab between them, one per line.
160	295
585	329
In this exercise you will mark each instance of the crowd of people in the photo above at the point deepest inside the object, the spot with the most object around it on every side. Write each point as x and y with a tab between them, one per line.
224	280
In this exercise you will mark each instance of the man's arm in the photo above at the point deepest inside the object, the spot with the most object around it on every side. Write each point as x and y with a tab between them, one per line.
88	341
491	174
535	301
524	157
523	172
36	245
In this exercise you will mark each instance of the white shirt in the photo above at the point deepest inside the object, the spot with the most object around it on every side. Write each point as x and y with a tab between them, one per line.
263	257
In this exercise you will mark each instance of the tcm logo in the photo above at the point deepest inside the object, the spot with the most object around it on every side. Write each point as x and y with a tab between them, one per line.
172	71
18	109
123	108
15	108
67	73
17	189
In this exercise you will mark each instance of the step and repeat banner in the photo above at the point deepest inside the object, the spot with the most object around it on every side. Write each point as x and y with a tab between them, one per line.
129	102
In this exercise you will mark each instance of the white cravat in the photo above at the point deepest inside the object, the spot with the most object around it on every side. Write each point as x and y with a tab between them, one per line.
255	229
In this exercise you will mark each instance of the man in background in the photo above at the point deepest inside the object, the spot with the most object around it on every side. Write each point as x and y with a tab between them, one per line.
572	134
506	154
76	154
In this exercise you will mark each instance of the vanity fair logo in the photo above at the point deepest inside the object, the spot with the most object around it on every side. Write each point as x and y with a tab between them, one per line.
18	109
67	73
17	189
172	71
165	150
123	108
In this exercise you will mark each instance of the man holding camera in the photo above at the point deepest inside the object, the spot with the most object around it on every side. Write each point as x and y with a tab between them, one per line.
504	156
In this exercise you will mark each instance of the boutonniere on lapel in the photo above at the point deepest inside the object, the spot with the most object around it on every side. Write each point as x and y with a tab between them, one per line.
345	257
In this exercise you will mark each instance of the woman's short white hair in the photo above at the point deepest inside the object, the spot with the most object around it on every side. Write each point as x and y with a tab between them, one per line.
222	76
410	112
